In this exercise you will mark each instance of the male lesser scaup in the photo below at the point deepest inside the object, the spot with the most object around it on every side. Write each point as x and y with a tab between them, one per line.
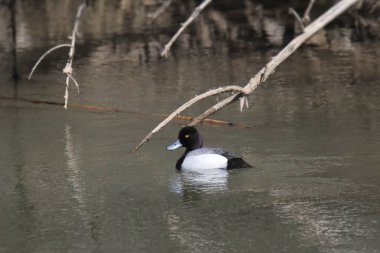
198	158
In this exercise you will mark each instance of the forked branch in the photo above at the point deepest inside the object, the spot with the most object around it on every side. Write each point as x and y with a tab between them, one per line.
68	70
266	71
306	16
187	105
298	18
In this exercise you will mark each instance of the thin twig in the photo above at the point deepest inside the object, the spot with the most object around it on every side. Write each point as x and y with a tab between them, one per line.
44	55
306	15
76	83
195	14
298	18
269	68
160	10
263	75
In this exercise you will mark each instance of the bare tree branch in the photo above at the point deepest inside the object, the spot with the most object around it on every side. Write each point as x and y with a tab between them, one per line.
264	73
195	14
68	69
187	105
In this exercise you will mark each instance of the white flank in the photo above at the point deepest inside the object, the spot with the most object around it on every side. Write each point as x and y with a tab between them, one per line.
204	162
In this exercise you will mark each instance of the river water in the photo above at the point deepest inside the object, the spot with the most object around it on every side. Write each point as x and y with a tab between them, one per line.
70	181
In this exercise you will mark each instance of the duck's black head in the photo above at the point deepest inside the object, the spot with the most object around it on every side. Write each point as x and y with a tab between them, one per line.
189	138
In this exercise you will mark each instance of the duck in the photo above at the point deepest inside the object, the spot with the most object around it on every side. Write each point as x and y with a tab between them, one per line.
196	157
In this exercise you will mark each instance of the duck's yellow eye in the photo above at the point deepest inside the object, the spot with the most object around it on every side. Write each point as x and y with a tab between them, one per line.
186	136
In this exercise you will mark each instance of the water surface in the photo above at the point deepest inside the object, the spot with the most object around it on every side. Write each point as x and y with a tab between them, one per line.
71	183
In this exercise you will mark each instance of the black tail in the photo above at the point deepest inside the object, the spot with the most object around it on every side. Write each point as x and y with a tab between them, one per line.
237	163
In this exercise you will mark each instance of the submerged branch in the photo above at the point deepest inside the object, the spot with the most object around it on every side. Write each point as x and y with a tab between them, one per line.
195	14
266	71
100	109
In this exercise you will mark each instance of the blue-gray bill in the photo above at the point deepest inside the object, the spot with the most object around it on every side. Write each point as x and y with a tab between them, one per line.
175	145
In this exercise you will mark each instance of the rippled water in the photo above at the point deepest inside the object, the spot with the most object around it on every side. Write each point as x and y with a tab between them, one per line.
71	183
